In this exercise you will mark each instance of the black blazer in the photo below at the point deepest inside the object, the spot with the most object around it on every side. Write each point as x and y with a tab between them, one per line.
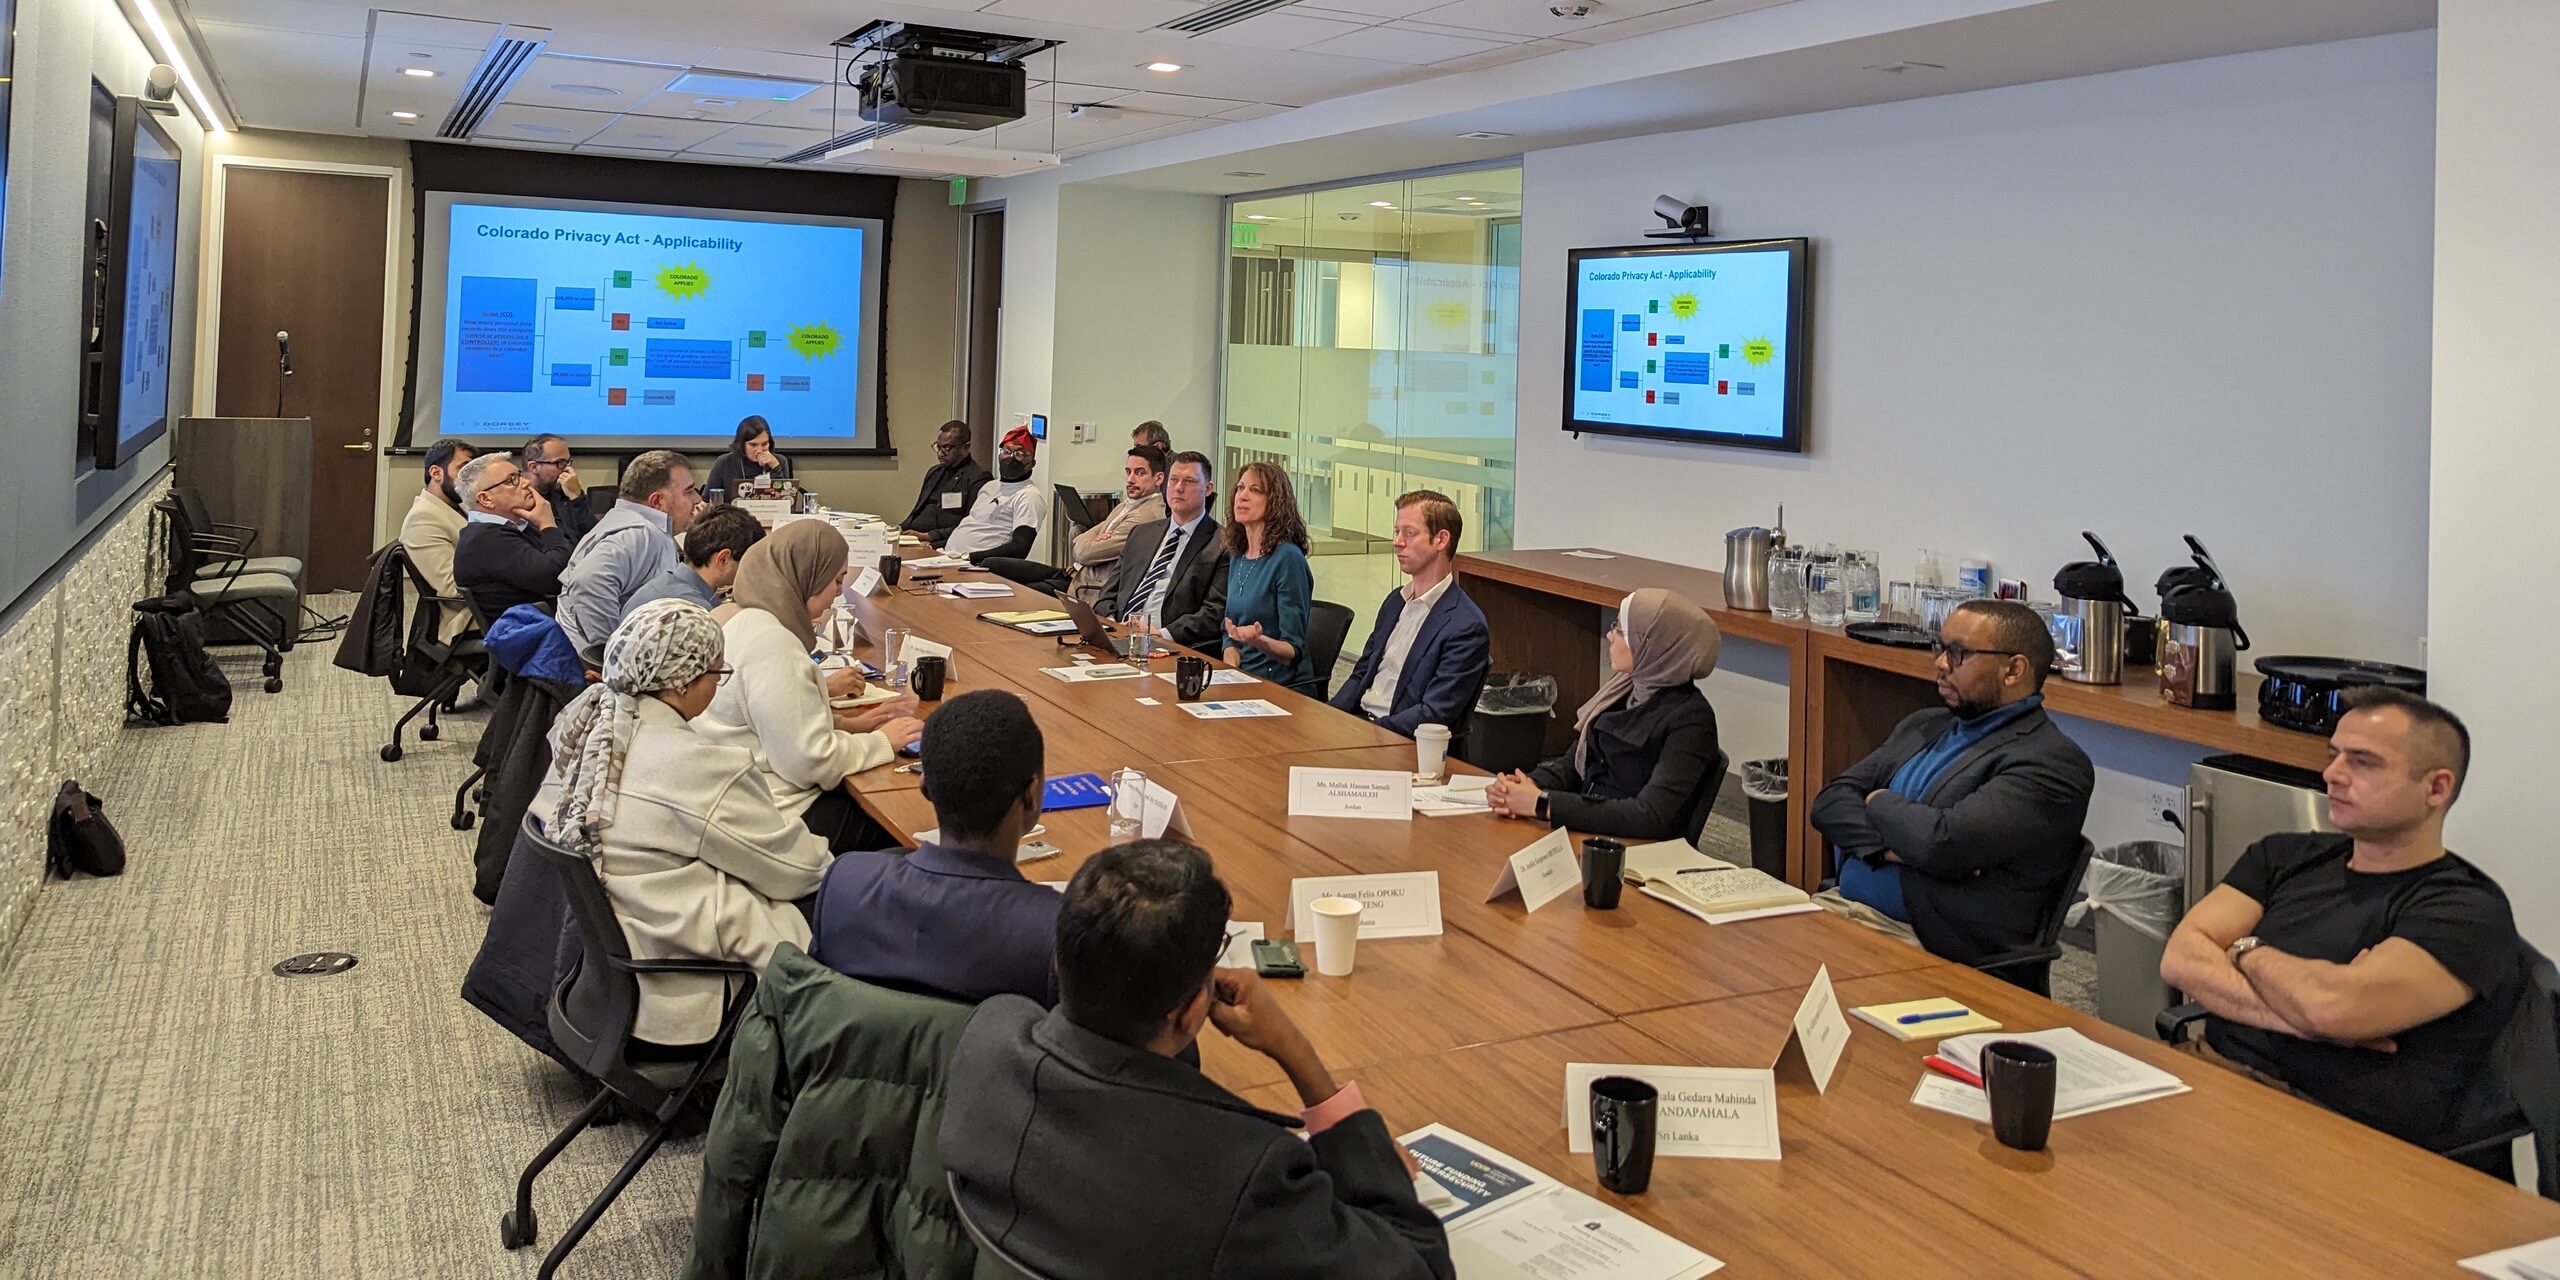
506	565
1195	601
934	520
1984	852
730	470
1443	672
1647	769
1086	1159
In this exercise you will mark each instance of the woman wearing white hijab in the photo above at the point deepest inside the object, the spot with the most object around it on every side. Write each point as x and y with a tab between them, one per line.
1643	744
696	858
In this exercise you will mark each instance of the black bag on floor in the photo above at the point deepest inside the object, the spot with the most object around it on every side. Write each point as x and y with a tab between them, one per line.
184	686
79	838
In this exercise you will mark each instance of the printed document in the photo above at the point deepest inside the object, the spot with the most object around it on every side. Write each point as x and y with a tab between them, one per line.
1507	1221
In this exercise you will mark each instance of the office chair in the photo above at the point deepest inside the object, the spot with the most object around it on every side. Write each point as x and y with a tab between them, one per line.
437	666
992	1257
1328	625
593	1009
2517	1096
2031	967
258	606
1702	802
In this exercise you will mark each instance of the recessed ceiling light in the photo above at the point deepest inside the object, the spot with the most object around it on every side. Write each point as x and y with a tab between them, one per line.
404	115
650	137
1257	217
542	128
1381	204
1162	68
1481	134
587	90
422	73
716	102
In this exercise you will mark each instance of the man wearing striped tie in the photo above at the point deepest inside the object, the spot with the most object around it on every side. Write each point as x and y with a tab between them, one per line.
1172	576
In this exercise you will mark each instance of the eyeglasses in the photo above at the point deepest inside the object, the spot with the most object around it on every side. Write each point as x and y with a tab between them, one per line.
720	675
516	479
1956	655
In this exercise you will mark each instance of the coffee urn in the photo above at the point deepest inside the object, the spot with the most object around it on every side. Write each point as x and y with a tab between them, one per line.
2089	618
1746	564
2200	638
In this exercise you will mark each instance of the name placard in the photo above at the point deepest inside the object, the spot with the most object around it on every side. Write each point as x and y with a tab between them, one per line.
914	647
1402	904
1541	873
1710	1112
1350	793
1821	1031
865	583
767	511
1161	812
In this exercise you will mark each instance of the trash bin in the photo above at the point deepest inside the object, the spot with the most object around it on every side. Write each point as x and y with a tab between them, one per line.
2138	891
1764	788
1509	729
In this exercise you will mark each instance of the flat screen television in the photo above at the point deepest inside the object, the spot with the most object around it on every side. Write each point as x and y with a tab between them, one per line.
1699	342
141	286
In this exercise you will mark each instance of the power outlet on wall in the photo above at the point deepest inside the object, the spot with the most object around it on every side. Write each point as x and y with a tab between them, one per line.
2160	798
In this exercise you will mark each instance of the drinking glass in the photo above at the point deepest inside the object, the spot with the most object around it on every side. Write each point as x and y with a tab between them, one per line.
1866	596
1142	653
1128	804
1786	583
1902	604
1936	603
893	644
1826	590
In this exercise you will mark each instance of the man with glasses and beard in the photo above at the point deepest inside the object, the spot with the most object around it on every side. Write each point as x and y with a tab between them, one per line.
1966	821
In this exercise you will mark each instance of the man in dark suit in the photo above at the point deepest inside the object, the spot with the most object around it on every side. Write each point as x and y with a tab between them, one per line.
1965	823
1082	1149
954	918
511	550
1427	655
554	475
950	489
1173	574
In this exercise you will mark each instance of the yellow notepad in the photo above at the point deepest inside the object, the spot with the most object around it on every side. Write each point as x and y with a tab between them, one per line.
1016	617
1885	1015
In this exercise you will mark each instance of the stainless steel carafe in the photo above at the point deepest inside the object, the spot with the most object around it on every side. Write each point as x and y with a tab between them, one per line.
2200	638
2088	618
1746	568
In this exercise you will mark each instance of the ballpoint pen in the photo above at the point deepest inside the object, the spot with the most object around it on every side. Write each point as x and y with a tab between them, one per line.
1909	1018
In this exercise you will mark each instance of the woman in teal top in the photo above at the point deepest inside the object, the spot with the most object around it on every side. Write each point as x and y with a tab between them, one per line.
1268	586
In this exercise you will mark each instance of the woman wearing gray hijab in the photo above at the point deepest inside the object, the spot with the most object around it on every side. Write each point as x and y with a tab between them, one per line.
696	858
1643	744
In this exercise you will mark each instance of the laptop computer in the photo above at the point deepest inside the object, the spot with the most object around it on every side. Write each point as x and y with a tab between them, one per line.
1091	629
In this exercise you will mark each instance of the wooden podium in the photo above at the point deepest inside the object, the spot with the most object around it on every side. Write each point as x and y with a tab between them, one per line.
256	472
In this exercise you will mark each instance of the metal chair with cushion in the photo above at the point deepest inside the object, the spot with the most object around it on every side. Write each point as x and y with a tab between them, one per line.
593	1010
1328	626
263	607
2031	966
222	538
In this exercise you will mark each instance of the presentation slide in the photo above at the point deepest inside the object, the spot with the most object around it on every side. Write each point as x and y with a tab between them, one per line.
645	326
1695	341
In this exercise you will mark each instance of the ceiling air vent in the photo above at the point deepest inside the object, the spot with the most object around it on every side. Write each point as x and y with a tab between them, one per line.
820	151
507	56
1221	15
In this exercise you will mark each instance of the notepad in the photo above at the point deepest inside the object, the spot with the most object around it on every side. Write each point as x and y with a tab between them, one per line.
1884	1015
1017	617
1074	791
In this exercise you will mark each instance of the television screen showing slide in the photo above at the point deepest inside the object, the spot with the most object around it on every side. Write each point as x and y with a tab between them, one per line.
638	326
1688	342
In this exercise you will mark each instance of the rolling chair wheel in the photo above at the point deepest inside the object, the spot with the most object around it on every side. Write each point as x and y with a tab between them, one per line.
514	1234
428	732
463	821
391	753
275	684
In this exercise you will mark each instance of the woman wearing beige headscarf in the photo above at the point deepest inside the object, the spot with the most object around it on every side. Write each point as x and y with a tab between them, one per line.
1643	745
697	861
777	705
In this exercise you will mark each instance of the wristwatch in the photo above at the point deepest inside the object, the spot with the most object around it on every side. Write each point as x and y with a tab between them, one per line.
1544	815
2244	947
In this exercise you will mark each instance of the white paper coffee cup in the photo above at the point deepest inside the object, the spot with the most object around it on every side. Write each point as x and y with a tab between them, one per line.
1430	751
1337	934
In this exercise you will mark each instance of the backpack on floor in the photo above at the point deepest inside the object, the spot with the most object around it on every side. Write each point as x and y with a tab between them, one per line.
79	837
184	686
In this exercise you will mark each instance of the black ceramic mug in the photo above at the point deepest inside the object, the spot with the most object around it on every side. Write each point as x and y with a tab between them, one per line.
1604	863
1190	677
889	566
2018	1078
1622	1119
926	677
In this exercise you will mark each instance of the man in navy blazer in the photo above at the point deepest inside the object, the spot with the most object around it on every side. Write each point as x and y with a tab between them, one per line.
1426	658
954	918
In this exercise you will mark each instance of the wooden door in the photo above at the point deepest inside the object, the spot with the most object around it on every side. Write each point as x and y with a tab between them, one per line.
302	253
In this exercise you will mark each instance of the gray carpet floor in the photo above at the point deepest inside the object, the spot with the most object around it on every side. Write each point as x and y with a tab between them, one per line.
170	1107
174	1108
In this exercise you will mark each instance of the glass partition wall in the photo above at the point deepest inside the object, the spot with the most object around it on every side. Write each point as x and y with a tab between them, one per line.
1372	334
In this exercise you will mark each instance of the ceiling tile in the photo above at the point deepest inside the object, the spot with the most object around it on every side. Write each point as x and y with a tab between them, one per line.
543	125
1370	8
1251	111
655	133
689	106
765	62
759	142
1531	18
283	15
1596	31
598	42
633	153
588	84
1413	48
394	31
1444	29
1175	104
1286	29
287	79
1521	52
1101	15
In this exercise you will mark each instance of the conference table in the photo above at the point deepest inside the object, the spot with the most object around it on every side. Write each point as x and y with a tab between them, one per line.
1473	1028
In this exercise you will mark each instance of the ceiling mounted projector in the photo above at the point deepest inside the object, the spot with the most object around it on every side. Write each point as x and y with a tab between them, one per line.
941	77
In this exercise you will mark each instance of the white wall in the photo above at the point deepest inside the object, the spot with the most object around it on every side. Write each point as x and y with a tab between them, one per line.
1137	325
2491	534
2189	298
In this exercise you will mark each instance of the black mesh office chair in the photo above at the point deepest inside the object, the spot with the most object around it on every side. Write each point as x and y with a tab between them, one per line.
993	1262
1328	626
593	1010
2031	967
434	668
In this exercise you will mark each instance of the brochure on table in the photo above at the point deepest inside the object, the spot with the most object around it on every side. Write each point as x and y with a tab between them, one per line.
1244	709
1094	673
2091	1078
1217	676
1720	1113
1506	1220
1399	904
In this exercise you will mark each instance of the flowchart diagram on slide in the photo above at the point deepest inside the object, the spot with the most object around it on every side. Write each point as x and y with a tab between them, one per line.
626	327
1696	347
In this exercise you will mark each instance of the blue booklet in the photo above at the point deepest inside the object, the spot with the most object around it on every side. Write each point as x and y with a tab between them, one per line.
1074	791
